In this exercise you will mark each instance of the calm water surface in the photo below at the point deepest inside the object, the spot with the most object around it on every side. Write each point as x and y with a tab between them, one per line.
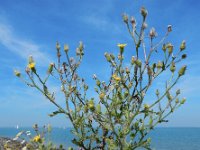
162	138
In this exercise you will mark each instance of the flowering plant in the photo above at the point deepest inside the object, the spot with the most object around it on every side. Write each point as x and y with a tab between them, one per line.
121	117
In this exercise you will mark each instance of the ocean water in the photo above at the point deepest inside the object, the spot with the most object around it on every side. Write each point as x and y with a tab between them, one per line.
162	138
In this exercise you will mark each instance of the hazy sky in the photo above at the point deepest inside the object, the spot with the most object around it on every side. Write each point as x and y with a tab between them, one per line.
33	27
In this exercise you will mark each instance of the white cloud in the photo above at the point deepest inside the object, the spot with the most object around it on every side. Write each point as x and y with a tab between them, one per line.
20	46
101	23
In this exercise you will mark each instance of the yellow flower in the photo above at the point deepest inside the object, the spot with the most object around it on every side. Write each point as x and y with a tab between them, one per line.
121	45
37	138
31	65
116	78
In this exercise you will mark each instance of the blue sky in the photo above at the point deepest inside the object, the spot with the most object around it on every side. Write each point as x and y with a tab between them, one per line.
33	27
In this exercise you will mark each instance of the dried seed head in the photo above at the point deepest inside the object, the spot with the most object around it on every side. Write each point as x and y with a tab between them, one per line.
94	76
184	56
169	28
152	33
133	21
144	25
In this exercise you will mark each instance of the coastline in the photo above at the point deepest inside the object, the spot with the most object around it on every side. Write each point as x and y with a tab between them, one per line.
12	144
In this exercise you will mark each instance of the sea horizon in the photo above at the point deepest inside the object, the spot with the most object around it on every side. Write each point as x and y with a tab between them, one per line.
163	138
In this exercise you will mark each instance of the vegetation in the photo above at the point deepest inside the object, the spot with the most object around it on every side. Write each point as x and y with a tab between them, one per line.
120	117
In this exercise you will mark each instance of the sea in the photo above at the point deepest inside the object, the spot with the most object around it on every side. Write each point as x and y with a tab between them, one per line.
163	138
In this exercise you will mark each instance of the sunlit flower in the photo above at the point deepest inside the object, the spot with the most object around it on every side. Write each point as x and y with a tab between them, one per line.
37	138
121	45
116	78
31	65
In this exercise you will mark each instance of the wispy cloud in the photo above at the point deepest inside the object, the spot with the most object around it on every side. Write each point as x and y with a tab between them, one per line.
21	47
101	23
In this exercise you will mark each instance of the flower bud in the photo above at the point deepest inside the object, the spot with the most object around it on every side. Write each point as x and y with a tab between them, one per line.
91	105
66	48
125	18
70	148
138	63
153	67
183	46
182	71
50	69
98	83
146	106
169	96
102	95
164	47
133	59
108	58
150	121
120	57
170	48
172	67
159	65
127	70
178	92
177	101
169	28
112	56
143	12
17	73
57	46
183	101
126	94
